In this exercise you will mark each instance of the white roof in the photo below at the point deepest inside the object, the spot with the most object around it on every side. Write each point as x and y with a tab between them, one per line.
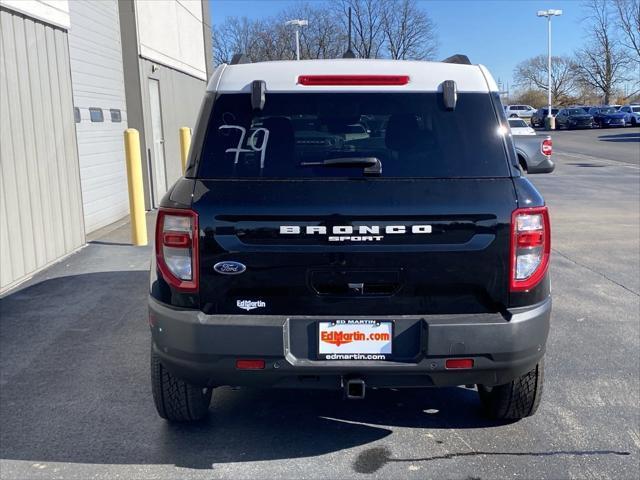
282	76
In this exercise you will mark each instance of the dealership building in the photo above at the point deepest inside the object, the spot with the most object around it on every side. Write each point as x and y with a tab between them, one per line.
73	76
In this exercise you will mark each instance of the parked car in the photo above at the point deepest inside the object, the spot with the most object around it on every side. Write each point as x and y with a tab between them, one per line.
522	111
537	119
519	126
632	114
608	117
570	118
275	268
534	153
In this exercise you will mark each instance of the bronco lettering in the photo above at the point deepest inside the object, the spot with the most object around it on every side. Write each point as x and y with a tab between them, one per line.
345	233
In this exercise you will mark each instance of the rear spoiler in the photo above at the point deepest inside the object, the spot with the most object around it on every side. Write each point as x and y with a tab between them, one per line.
458	58
240	58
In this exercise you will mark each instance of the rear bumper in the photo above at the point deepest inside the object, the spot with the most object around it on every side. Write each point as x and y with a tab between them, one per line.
545	166
203	349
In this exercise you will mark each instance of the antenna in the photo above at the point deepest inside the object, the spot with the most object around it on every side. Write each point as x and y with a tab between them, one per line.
349	53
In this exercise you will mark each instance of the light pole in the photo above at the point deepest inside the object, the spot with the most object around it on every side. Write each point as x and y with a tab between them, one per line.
550	124
349	53
297	23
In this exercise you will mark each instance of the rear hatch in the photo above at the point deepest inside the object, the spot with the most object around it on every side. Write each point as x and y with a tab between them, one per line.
429	233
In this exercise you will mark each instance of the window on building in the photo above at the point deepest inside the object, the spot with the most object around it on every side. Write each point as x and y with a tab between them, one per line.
96	114
116	115
76	115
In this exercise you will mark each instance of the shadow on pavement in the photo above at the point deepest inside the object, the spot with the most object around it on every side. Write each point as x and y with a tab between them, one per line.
74	387
586	165
621	137
373	459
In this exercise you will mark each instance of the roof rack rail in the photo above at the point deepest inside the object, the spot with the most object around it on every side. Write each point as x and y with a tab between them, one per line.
240	58
458	58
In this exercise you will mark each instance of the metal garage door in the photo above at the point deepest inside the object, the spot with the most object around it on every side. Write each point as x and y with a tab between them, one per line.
99	99
40	207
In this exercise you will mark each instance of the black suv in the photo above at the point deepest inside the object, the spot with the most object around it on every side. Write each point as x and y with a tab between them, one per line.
346	224
570	118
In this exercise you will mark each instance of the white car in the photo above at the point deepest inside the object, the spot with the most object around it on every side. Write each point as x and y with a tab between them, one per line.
520	127
520	111
633	114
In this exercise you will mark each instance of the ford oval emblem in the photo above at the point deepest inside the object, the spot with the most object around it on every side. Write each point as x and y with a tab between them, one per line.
229	268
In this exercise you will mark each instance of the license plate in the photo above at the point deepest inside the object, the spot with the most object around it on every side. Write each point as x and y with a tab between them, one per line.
355	340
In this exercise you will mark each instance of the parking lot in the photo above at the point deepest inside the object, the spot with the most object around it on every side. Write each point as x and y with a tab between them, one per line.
76	399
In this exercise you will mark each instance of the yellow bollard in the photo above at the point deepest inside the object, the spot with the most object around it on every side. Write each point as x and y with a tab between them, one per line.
136	192
185	143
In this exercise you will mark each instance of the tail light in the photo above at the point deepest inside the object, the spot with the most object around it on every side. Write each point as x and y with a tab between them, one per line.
177	248
547	147
530	247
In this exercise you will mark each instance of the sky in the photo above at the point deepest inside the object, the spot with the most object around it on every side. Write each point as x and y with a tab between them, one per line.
495	33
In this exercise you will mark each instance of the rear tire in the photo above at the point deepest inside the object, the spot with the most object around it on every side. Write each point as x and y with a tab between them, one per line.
175	399
515	400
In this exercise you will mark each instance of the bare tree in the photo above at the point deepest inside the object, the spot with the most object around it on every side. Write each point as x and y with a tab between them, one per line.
235	35
602	63
367	23
391	28
273	41
533	74
408	31
628	19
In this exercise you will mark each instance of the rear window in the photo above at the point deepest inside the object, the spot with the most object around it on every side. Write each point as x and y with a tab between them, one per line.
412	135
517	123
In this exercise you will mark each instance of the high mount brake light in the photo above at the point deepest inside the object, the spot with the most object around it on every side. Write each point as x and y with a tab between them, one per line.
547	147
177	248
530	247
337	80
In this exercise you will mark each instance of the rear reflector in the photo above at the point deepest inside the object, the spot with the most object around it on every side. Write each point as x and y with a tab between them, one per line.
177	239
459	363
250	364
313	80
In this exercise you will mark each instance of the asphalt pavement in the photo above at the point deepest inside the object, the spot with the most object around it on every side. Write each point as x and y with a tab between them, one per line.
609	144
75	397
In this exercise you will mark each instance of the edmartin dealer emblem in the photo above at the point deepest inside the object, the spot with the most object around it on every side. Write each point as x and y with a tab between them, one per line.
229	268
249	305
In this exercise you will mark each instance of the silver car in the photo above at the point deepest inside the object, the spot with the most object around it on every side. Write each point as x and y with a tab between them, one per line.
522	111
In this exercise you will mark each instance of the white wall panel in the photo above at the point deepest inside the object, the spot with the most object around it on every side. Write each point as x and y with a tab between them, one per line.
55	12
170	32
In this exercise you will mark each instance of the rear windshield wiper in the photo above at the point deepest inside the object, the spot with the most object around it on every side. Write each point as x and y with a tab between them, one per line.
371	165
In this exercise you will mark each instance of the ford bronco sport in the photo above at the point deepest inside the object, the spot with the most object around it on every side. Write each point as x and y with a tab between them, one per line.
350	224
